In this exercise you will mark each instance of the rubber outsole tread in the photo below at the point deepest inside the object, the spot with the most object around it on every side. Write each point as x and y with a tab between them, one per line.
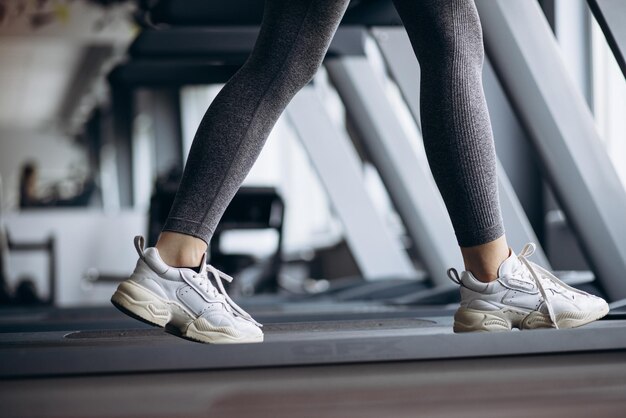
205	336
471	320
134	315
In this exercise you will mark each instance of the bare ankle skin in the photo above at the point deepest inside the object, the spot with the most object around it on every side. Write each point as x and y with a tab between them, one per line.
180	250
483	260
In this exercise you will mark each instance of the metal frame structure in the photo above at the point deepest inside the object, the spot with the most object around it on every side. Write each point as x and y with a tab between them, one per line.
527	61
410	185
611	15
331	152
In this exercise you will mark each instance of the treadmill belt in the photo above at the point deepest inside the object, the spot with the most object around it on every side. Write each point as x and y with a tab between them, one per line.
355	341
273	329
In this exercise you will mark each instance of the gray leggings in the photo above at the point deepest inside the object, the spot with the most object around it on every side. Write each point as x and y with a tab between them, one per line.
295	34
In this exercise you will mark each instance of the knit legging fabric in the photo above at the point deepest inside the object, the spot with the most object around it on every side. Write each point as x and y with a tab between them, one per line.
294	37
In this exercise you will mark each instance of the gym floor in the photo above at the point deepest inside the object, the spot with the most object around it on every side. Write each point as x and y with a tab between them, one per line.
572	385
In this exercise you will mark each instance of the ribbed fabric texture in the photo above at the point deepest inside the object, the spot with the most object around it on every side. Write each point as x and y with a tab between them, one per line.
447	39
293	40
294	37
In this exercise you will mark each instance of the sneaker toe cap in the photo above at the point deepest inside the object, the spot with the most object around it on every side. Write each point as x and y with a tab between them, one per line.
248	327
599	304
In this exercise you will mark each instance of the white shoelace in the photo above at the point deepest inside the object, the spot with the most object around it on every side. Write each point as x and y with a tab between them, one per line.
536	272
220	292
533	269
530	266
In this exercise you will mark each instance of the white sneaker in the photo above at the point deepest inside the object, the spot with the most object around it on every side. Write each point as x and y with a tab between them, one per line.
185	301
525	296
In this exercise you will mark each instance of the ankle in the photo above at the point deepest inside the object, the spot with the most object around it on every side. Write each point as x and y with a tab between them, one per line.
486	269
483	273
180	258
179	250
484	260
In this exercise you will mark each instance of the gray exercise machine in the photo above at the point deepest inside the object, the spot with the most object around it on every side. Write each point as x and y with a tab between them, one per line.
403	170
611	15
562	130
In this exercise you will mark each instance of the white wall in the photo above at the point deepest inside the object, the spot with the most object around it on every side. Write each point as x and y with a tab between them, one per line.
609	101
56	156
85	239
596	73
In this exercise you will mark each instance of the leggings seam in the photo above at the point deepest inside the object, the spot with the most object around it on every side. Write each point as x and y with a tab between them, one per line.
256	111
462	105
457	77
451	82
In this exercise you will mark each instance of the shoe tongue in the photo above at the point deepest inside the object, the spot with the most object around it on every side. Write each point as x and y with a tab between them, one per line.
509	265
203	264
200	269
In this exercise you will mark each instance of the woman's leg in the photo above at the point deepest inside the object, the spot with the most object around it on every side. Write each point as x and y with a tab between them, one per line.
294	37
447	39
293	40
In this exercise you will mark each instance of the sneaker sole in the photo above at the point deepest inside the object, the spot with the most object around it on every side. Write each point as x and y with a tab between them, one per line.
143	305
472	320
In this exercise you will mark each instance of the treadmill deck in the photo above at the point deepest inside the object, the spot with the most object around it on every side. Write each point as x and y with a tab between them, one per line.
72	352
